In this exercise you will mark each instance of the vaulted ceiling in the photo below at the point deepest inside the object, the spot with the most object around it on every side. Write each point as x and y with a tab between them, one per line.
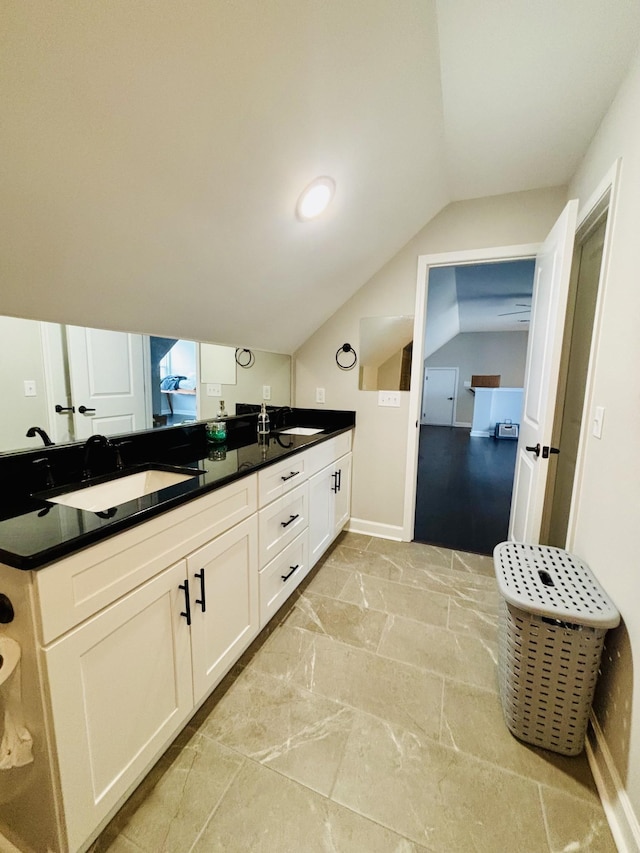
152	152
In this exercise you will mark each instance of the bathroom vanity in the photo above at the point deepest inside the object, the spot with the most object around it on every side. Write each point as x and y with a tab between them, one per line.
126	635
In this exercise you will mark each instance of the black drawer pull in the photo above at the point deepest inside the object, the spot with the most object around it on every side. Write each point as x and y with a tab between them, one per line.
202	601
292	474
293	568
187	604
291	518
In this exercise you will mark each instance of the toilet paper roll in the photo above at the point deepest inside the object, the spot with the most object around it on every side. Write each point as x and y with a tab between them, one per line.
10	656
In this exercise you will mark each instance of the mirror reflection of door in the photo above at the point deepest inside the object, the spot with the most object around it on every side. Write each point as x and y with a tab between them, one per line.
106	371
438	395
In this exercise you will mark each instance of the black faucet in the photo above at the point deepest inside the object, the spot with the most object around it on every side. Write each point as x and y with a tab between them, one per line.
99	441
33	431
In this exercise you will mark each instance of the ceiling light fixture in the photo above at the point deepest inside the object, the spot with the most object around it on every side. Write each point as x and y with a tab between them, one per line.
315	198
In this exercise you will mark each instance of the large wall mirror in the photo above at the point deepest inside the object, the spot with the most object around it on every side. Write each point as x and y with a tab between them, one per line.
73	382
386	345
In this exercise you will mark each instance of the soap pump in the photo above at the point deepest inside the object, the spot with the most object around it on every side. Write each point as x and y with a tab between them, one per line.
263	424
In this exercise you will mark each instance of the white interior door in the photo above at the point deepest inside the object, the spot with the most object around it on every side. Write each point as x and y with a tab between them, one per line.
438	395
107	381
551	286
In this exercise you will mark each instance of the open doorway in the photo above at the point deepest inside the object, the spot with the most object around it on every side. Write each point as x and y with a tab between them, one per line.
475	344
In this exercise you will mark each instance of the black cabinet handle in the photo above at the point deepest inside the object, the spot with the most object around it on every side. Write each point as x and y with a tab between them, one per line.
60	409
291	518
535	449
187	603
293	568
83	410
335	486
339	479
292	474
202	601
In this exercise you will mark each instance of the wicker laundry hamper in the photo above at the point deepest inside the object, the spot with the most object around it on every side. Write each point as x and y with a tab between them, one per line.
554	619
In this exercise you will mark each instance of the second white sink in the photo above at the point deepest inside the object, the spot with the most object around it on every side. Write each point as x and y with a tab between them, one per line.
300	431
103	496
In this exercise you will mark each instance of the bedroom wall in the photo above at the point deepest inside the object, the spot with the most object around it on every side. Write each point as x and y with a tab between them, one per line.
501	353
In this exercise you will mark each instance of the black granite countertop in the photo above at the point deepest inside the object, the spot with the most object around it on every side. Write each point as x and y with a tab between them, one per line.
35	532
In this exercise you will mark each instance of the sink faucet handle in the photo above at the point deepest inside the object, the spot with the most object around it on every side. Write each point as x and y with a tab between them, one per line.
44	460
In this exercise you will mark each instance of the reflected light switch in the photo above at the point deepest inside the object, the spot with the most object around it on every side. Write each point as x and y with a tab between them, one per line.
598	420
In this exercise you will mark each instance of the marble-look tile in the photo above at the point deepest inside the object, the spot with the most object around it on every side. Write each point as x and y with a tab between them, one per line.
353	540
474	618
300	734
574	825
166	813
390	597
393	691
472	722
463	658
477	564
326	580
281	654
436	796
114	844
263	812
415	553
346	622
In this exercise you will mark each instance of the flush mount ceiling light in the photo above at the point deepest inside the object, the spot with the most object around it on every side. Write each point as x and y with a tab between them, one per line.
315	198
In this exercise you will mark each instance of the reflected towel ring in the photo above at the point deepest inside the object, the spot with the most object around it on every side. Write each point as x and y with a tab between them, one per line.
244	357
346	348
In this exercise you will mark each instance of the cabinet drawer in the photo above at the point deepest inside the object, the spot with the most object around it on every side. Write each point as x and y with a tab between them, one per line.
277	480
282	521
283	574
80	585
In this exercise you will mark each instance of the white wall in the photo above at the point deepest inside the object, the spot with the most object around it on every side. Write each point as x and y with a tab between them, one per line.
502	353
21	359
443	318
380	445
608	513
270	367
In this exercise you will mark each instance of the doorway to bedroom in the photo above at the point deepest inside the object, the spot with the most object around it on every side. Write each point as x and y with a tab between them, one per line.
476	334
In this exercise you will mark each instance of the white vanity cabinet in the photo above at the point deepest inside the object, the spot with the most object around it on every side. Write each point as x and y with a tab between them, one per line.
120	689
329	504
132	633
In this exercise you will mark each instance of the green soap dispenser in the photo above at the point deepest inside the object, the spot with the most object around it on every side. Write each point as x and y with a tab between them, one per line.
217	428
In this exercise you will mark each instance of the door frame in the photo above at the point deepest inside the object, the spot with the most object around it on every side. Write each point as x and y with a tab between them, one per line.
455	392
604	198
526	251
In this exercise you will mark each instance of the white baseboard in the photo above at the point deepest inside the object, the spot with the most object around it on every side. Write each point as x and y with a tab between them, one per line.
480	433
623	823
462	424
375	528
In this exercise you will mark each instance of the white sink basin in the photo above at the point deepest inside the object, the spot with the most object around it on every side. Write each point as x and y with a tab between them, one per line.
300	431
103	496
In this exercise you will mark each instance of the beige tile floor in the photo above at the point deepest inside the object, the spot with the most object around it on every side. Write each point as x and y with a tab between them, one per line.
366	718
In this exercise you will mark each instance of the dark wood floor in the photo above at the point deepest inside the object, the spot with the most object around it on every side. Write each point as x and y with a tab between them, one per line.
464	489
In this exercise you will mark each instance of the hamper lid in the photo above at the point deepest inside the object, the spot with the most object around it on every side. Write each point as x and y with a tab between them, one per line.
551	582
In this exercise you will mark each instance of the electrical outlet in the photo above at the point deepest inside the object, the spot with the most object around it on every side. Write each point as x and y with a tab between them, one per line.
30	388
389	398
214	389
266	392
319	395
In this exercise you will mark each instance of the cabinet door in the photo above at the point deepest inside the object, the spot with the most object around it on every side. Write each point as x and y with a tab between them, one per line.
321	512
342	498
223	581
120	688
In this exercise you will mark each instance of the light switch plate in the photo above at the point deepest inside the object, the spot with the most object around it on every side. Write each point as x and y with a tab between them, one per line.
389	398
598	420
30	388
214	389
319	395
266	392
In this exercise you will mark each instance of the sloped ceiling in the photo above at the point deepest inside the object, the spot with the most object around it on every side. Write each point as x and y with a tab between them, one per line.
152	152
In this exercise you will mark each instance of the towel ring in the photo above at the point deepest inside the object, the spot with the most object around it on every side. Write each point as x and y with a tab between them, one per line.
244	357
346	348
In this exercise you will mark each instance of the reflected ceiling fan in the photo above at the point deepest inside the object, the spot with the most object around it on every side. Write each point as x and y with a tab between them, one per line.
526	309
